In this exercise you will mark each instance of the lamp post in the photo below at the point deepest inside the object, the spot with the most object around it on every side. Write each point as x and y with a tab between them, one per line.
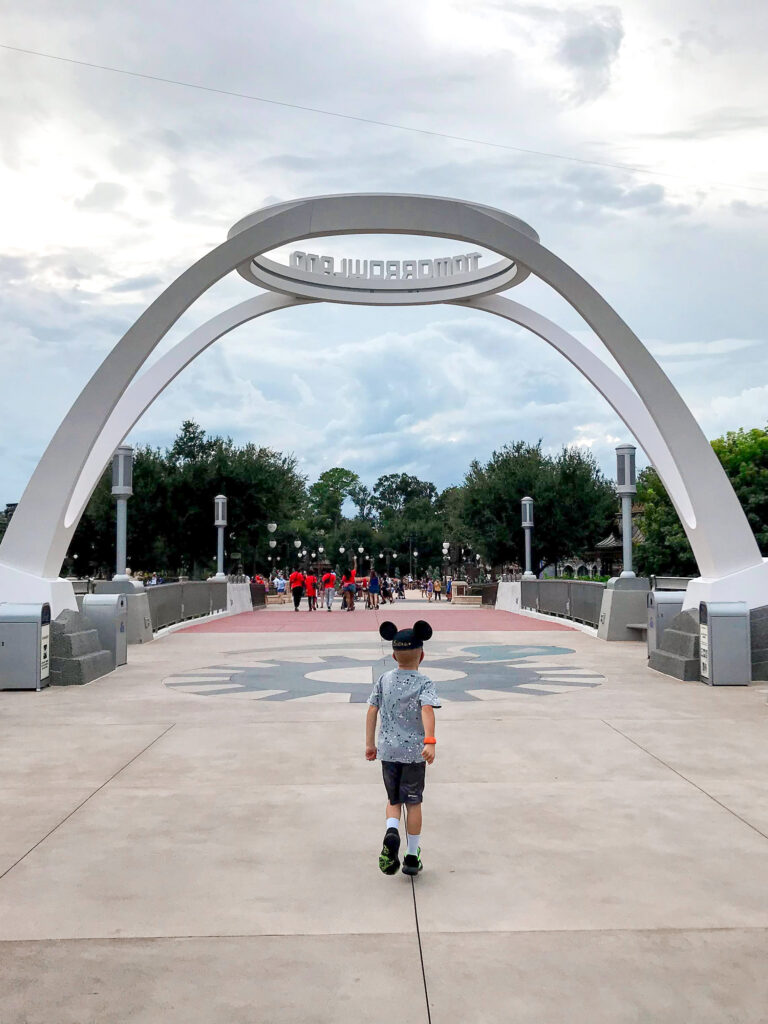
527	511
220	522
626	487
122	489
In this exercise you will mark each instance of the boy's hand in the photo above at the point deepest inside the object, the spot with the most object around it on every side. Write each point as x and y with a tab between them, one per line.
370	753
428	753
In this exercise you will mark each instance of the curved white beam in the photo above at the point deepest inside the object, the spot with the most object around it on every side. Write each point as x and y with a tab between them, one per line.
146	388
625	403
137	398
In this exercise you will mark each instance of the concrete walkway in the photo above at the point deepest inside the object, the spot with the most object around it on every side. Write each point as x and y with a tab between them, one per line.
195	837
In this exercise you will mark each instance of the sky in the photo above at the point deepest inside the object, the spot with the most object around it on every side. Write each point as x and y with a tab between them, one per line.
656	191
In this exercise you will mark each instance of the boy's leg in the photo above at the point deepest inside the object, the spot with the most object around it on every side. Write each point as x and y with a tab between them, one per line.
389	861
413	819
411	792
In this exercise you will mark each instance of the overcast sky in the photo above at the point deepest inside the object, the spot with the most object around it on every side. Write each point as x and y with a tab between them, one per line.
112	185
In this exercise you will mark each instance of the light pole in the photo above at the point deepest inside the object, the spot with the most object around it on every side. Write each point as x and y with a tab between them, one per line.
122	489
220	522
527	510
626	487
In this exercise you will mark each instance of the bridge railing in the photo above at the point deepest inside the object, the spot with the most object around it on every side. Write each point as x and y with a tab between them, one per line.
170	603
569	599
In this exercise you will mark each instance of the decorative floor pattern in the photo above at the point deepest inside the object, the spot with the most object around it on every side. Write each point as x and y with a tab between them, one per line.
460	672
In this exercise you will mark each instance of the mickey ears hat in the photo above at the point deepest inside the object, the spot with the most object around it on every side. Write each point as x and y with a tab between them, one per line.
406	639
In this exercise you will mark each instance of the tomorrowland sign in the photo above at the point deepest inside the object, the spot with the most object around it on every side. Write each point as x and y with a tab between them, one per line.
385	270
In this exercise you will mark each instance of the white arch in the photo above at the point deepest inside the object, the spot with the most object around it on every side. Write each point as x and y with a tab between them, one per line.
721	538
146	388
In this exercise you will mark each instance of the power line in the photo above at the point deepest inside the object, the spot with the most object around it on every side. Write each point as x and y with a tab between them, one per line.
380	124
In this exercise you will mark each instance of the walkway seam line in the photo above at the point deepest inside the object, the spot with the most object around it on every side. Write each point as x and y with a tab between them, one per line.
686	779
421	951
84	802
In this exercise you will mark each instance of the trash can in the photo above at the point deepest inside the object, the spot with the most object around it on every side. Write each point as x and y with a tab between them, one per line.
724	643
108	614
663	606
25	646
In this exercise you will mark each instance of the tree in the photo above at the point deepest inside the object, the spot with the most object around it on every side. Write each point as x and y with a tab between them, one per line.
327	496
574	503
744	455
170	515
665	548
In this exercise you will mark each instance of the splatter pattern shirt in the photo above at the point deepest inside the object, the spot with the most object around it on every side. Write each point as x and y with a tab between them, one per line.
399	696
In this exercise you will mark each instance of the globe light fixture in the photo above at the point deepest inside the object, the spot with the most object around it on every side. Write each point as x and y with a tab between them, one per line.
360	549
271	527
297	544
321	549
342	549
273	543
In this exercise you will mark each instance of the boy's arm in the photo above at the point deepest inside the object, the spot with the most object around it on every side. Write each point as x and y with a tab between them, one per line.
370	732
428	721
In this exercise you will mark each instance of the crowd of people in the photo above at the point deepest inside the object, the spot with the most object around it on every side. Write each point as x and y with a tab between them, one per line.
373	590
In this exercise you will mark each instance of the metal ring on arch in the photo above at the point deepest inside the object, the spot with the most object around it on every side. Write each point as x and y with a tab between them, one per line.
277	277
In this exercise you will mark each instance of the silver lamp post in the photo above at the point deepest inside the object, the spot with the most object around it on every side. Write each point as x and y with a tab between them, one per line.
626	487
220	522
527	512
122	489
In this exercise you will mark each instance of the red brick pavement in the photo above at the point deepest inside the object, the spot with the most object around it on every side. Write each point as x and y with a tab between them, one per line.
362	621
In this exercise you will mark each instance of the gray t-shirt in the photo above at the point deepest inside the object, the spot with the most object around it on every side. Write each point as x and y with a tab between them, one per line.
399	696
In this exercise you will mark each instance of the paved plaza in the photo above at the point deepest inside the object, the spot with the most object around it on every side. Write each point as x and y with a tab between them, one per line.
194	838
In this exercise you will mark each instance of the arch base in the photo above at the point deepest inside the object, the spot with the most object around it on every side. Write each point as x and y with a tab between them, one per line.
26	588
749	585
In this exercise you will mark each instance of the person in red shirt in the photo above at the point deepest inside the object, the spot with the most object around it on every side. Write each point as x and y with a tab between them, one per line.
296	583
348	589
329	588
310	583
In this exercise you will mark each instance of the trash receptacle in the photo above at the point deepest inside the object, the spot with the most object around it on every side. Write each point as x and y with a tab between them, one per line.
25	646
663	606
724	643
108	614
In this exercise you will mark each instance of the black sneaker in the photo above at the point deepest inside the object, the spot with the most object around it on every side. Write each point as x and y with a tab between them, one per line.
412	863
389	862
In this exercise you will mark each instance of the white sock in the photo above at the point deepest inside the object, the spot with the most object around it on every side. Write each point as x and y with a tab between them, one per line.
393	823
413	843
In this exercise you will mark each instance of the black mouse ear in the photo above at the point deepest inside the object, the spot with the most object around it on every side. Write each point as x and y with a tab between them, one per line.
388	630
422	630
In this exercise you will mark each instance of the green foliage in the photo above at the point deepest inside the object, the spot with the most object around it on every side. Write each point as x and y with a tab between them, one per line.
574	503
170	520
328	493
744	455
665	549
170	515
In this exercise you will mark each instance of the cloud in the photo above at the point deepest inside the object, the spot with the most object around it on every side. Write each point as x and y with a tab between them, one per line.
589	48
104	195
112	186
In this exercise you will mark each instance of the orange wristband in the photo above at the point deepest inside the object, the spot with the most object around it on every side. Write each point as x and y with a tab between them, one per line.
430	739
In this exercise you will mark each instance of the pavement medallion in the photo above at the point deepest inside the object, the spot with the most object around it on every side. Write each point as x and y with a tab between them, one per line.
461	672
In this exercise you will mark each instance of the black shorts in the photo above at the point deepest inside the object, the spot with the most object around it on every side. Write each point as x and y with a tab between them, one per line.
404	782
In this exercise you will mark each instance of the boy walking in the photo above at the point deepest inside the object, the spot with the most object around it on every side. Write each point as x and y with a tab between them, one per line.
406	699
